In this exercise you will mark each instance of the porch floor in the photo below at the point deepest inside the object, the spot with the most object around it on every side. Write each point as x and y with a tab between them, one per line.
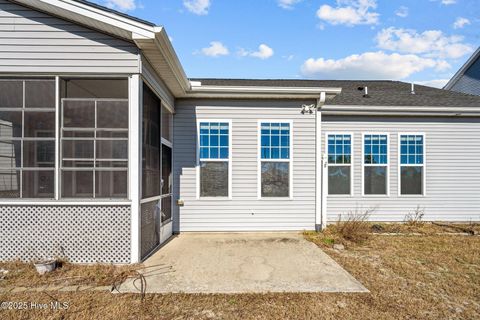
242	263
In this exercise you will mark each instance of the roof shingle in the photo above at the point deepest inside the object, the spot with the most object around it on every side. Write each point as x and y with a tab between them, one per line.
380	92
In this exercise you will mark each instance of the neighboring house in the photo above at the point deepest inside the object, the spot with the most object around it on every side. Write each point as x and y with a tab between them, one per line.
467	79
107	148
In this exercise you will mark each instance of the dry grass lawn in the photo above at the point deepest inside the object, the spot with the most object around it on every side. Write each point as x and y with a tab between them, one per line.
424	276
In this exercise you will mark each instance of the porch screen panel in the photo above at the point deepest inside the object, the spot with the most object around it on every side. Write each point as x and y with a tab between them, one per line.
94	139
151	214
151	145
27	138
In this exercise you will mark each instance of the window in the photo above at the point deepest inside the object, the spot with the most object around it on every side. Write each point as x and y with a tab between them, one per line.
375	164
214	158
339	164
412	164
275	159
94	139
27	138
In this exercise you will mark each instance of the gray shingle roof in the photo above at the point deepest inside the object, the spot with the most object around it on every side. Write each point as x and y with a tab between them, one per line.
381	93
122	14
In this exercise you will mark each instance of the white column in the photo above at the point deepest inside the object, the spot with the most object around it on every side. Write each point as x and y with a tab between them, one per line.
57	138
135	161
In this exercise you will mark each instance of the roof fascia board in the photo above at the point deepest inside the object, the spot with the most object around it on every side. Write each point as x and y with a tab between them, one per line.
462	70
401	110
259	92
97	16
165	47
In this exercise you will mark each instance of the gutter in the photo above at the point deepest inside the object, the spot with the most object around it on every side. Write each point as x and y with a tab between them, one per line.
320	192
408	111
199	91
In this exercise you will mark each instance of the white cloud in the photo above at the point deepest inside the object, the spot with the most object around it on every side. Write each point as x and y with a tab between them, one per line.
448	2
349	12
370	65
263	52
216	49
430	43
436	83
123	5
287	4
402	12
198	7
460	23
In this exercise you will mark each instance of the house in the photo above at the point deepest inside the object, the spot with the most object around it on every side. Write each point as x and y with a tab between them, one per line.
467	79
107	148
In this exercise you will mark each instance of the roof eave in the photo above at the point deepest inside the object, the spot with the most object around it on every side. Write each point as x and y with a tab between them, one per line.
120	26
462	70
259	92
401	110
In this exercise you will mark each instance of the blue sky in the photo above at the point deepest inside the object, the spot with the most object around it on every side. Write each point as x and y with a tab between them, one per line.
424	41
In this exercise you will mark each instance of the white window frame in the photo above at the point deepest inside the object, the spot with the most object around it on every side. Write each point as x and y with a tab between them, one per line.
387	194
352	161
229	160
259	160
424	165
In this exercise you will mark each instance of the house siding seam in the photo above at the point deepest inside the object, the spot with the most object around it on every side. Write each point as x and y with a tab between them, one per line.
244	212
34	42
452	168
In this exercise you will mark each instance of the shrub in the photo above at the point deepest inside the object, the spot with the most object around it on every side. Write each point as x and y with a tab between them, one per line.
415	218
355	227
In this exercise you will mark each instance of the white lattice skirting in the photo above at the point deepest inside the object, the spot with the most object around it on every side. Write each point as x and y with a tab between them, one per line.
79	234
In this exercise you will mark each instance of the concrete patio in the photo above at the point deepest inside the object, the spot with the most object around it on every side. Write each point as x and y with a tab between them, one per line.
242	263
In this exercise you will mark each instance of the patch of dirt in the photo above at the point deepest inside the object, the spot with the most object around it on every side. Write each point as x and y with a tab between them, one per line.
409	277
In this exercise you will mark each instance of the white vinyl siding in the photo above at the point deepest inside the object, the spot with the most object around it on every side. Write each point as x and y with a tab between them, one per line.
31	42
244	212
452	169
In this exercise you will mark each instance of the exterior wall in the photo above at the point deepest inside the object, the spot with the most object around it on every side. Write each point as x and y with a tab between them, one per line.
33	42
244	212
80	234
452	168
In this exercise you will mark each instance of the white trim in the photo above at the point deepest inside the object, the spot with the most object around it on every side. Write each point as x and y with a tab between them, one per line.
387	165
167	143
461	72
58	142
410	111
352	160
258	91
424	165
259	159
73	202
135	95
94	17
319	220
229	160
151	199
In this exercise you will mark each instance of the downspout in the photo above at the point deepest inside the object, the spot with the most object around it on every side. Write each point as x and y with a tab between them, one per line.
320	212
